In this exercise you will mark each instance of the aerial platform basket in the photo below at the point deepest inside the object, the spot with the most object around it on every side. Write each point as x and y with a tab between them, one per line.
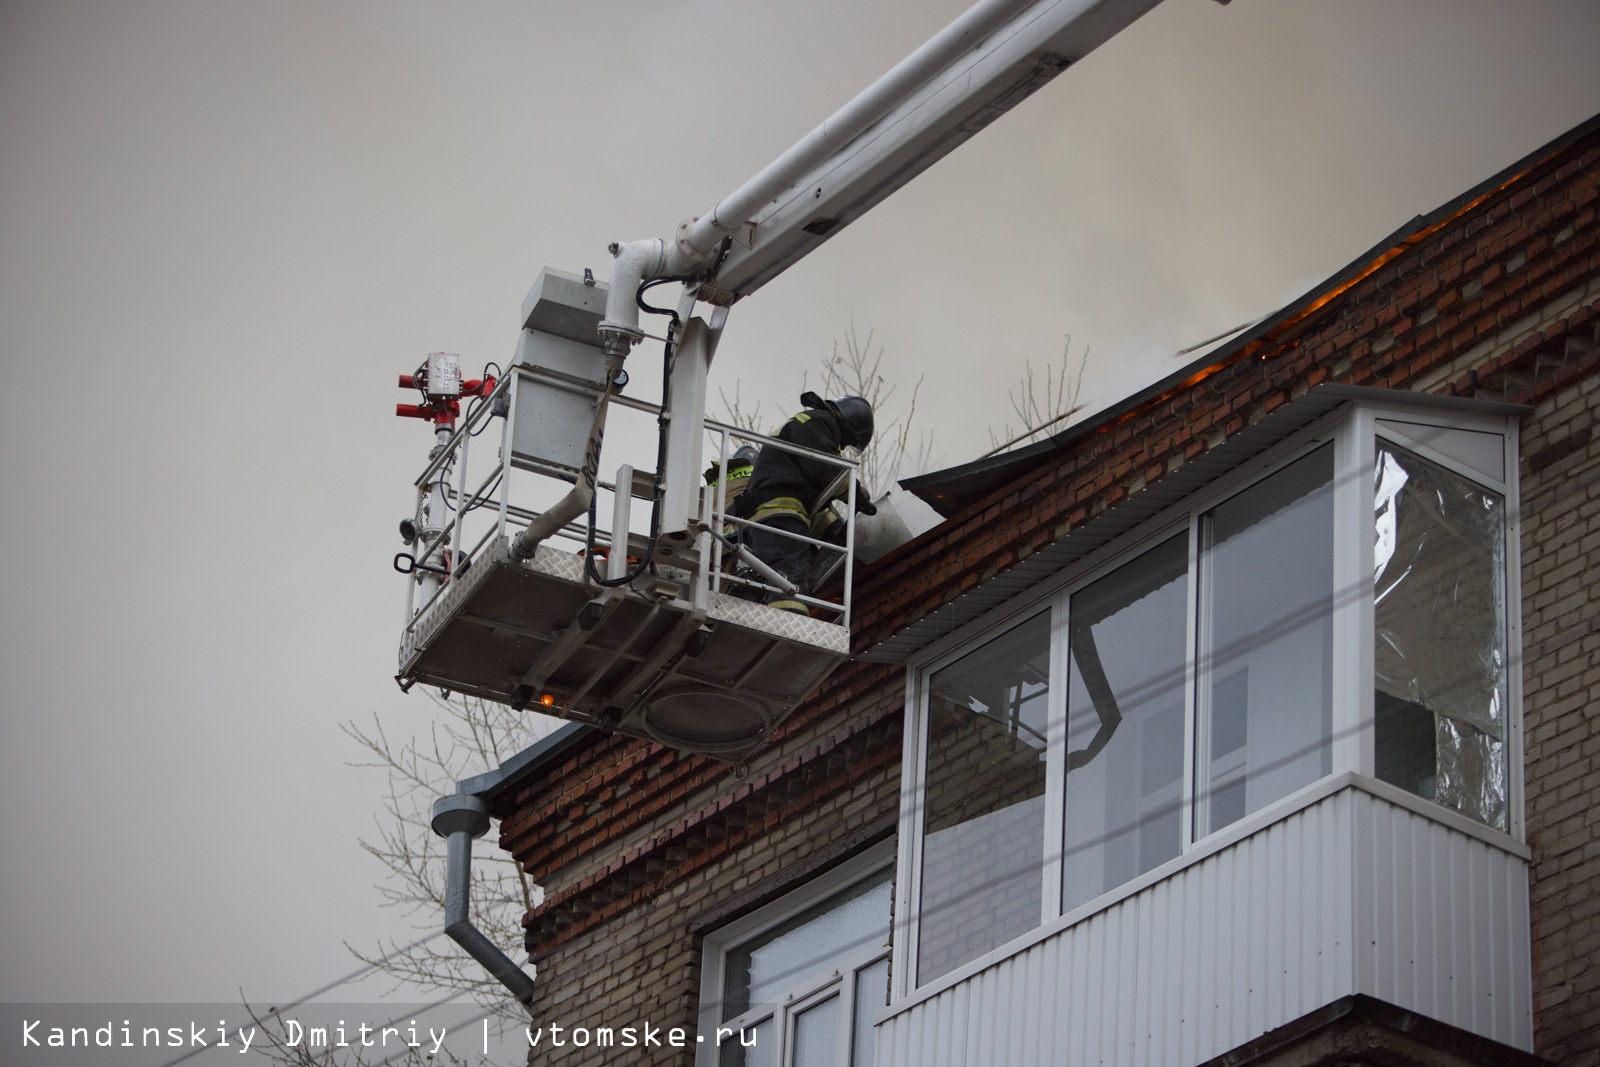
676	655
652	665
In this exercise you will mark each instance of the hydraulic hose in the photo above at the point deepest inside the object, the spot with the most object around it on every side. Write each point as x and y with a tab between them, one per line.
661	455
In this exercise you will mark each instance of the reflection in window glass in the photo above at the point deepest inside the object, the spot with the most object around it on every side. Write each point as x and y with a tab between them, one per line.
983	837
813	941
1266	586
1125	723
753	1048
872	995
816	1035
1439	614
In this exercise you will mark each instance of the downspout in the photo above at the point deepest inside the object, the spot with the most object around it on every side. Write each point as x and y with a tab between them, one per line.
458	819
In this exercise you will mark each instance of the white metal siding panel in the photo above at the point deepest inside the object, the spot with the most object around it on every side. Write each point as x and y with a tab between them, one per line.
1349	894
1446	926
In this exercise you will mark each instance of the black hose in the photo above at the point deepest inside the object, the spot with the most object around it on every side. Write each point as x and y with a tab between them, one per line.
647	562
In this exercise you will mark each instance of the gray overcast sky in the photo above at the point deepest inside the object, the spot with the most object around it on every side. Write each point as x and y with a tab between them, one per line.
226	226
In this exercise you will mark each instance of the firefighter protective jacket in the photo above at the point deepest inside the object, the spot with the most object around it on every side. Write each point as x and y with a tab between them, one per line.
784	483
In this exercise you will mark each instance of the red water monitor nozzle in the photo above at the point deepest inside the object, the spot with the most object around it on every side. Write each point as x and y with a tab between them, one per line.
439	380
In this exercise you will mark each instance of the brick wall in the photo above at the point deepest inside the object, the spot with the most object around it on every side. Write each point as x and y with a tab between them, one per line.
1493	296
669	816
1561	707
644	963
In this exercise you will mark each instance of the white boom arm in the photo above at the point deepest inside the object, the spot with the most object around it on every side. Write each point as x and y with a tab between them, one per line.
975	70
940	95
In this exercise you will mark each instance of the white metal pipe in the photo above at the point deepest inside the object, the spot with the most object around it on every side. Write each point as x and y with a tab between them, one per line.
755	562
632	262
719	508
872	103
680	475
461	514
433	514
635	262
621	514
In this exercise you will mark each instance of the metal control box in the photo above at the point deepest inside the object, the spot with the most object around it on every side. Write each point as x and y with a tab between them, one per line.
559	374
444	374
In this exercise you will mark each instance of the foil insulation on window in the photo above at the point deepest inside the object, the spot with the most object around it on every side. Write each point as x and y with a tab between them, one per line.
1439	615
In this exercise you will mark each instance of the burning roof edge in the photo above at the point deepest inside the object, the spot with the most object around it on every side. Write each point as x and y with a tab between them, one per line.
956	490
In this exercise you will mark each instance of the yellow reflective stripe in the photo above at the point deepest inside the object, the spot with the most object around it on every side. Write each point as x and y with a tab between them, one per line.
781	505
735	471
802	417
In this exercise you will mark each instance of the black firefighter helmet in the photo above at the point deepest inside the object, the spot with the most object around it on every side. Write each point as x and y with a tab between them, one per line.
854	415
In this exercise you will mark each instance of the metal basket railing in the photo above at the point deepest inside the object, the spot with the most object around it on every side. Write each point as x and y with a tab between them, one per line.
480	509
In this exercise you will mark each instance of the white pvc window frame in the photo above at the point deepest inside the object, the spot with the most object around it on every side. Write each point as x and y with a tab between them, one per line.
1352	431
837	978
1375	422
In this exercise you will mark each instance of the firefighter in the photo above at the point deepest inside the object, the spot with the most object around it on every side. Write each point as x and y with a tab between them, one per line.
785	487
741	465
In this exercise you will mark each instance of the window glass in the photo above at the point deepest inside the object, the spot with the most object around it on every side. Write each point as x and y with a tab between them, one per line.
983	836
1266	586
753	1048
1439	615
1220	703
872	995
816	1035
1127	637
813	941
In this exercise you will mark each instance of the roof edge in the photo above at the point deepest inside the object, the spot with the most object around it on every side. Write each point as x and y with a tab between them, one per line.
1297	313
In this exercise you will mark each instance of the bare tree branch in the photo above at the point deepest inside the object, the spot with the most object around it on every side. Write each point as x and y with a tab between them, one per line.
853	369
1040	409
471	736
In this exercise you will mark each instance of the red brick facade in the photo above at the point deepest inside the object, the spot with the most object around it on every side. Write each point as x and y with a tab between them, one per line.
642	849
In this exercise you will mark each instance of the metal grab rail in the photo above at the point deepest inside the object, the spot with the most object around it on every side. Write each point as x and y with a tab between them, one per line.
715	516
428	554
429	551
445	555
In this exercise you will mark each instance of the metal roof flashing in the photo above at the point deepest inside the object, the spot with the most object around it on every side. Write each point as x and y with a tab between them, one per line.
498	787
1145	504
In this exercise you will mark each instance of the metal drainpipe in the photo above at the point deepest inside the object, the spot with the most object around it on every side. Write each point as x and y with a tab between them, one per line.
458	819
